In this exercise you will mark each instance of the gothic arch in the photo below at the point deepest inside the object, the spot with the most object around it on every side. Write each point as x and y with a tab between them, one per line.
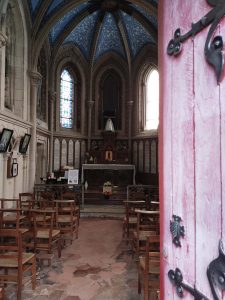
145	61
110	62
14	59
69	57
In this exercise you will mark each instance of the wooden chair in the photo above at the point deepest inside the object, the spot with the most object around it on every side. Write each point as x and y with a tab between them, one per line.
14	263
149	268
147	225
45	200
67	219
2	297
130	219
9	203
27	200
76	196
12	218
46	237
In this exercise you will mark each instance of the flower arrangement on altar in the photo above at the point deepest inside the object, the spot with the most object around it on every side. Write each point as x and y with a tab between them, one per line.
107	189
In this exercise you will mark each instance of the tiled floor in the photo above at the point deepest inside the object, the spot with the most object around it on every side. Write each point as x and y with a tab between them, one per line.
97	266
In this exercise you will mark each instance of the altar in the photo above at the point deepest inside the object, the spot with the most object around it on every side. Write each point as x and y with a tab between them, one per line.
95	175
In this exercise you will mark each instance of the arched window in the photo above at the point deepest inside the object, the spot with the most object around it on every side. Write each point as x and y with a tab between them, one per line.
66	99
152	100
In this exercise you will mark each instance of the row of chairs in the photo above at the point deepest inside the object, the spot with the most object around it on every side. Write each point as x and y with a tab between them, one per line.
31	229
141	230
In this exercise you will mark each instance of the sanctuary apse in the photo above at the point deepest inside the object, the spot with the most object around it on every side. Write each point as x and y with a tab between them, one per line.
66	68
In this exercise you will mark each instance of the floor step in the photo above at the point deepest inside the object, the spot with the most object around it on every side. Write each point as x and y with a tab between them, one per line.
114	211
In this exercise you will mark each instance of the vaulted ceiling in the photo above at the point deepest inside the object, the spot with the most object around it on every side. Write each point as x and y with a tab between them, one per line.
96	26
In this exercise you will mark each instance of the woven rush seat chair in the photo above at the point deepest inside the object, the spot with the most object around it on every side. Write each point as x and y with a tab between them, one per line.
149	268
46	237
14	263
67	219
146	226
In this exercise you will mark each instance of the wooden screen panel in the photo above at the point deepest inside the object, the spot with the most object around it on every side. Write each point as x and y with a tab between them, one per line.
140	156
77	155
70	153
147	157
153	152
63	153
135	158
56	155
83	150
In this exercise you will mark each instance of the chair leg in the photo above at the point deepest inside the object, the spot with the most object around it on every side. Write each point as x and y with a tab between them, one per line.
139	283
33	270
59	247
146	289
19	285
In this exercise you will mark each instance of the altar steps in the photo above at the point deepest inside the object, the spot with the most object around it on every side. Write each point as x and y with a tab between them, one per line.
97	198
103	211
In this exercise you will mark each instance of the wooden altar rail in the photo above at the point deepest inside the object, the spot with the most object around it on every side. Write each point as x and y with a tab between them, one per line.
57	189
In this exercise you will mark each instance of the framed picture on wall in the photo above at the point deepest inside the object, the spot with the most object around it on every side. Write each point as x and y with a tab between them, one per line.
24	143
14	169
5	138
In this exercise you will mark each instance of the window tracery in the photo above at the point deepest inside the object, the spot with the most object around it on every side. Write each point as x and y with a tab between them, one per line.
67	96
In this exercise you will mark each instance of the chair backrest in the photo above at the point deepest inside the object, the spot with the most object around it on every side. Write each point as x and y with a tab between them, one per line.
9	203
27	200
65	207
11	245
10	217
43	219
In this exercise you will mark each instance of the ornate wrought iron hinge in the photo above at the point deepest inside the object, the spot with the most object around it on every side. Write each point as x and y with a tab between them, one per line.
177	230
216	272
213	48
176	278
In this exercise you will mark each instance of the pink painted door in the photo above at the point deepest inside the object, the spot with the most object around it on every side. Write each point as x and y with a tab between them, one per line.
192	150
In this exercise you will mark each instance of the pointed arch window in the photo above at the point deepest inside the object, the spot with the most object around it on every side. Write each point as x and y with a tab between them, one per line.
152	100
66	99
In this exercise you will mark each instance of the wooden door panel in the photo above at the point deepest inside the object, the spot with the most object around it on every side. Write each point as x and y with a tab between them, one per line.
193	155
207	158
165	73
182	147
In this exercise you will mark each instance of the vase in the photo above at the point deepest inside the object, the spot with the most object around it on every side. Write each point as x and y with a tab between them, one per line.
86	185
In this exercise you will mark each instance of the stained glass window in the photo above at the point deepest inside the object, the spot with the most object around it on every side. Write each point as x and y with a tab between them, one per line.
66	99
152	100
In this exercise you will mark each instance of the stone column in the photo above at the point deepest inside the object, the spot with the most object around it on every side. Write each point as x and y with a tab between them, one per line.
3	39
130	113
35	80
25	172
5	166
51	146
90	105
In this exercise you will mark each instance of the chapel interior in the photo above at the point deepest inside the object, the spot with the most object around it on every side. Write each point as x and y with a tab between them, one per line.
79	118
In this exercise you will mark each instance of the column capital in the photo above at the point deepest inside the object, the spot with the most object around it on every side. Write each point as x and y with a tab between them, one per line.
35	78
3	39
6	155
